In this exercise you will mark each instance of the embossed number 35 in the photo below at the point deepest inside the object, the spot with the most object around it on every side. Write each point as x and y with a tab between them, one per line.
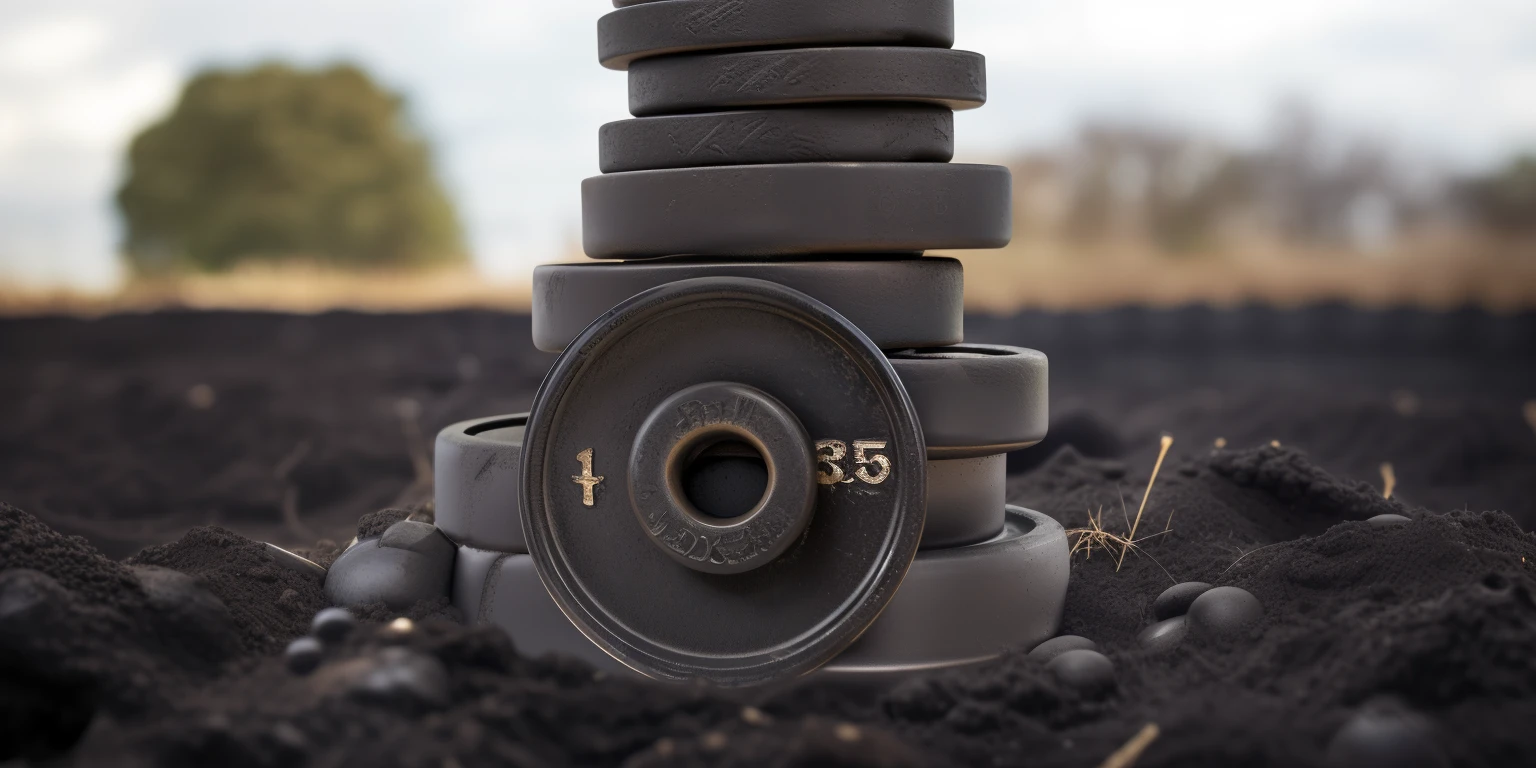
830	452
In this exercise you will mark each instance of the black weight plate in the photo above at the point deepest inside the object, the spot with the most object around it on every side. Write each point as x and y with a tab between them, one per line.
897	301
969	604
477	482
898	133
682	26
715	81
965	500
805	208
976	399
608	570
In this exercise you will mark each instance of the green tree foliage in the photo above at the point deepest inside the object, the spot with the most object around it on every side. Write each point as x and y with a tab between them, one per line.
277	163
1505	201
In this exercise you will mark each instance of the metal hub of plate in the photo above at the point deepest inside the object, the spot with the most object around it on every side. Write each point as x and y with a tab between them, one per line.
977	399
583	524
681	26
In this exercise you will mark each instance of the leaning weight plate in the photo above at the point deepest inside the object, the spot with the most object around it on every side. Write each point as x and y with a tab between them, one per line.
894	133
965	500
714	81
896	301
682	26
804	208
708	373
977	399
477	482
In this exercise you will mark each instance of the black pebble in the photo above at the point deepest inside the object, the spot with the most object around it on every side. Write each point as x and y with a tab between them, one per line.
303	655
1165	635
1090	672
406	677
332	624
1224	611
1386	521
1175	600
1386	736
1056	646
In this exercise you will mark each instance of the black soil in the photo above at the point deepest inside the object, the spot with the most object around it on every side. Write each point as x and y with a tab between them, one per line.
173	656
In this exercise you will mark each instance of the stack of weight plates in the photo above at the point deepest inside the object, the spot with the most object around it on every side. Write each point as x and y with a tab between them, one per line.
764	449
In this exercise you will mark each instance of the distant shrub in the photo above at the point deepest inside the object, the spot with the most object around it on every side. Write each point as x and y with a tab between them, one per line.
1505	201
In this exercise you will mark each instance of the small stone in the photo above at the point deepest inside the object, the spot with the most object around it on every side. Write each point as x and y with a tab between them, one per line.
1090	672
419	568
1223	612
1056	646
332	624
1165	635
402	676
402	626
754	716
847	732
1389	520
713	741
1386	735
303	655
1175	600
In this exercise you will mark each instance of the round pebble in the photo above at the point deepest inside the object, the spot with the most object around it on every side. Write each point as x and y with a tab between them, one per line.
1056	646
1386	737
332	624
1387	521
406	677
1175	600
303	655
1165	635
1224	611
1088	671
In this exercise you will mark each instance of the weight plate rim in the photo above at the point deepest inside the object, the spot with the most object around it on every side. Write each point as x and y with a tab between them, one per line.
457	506
906	444
982	434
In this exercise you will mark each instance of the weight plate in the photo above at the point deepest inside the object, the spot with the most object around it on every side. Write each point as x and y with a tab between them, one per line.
477	481
897	133
772	210
713	81
976	399
592	478
969	604
965	500
682	26
896	301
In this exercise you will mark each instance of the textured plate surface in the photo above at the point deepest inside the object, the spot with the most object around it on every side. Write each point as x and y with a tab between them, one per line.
477	482
715	81
896	302
977	399
601	566
897	133
768	210
681	26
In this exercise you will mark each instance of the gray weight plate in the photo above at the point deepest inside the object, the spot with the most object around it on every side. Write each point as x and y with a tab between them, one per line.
783	210
612	555
976	399
897	133
477	482
895	301
682	26
969	604
716	81
965	500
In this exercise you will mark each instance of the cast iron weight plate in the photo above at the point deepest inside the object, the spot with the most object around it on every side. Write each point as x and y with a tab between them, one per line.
977	399
804	208
715	81
477	481
966	498
682	26
898	301
599	561
895	133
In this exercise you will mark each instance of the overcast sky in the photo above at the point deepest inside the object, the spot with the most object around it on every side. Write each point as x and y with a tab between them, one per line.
511	93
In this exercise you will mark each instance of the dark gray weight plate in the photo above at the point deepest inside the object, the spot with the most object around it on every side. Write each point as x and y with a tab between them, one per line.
477	482
897	133
805	208
682	26
976	399
715	81
895	301
969	604
607	568
965	500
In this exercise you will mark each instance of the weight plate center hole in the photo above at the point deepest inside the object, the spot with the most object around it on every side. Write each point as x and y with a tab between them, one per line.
723	476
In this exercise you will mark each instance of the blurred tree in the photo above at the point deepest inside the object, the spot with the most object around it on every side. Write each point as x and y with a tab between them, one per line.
1505	201
277	163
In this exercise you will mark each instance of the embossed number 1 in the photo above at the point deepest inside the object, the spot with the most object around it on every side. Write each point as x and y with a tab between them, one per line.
830	452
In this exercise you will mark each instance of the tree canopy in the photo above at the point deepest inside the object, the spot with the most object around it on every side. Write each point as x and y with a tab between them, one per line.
279	163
